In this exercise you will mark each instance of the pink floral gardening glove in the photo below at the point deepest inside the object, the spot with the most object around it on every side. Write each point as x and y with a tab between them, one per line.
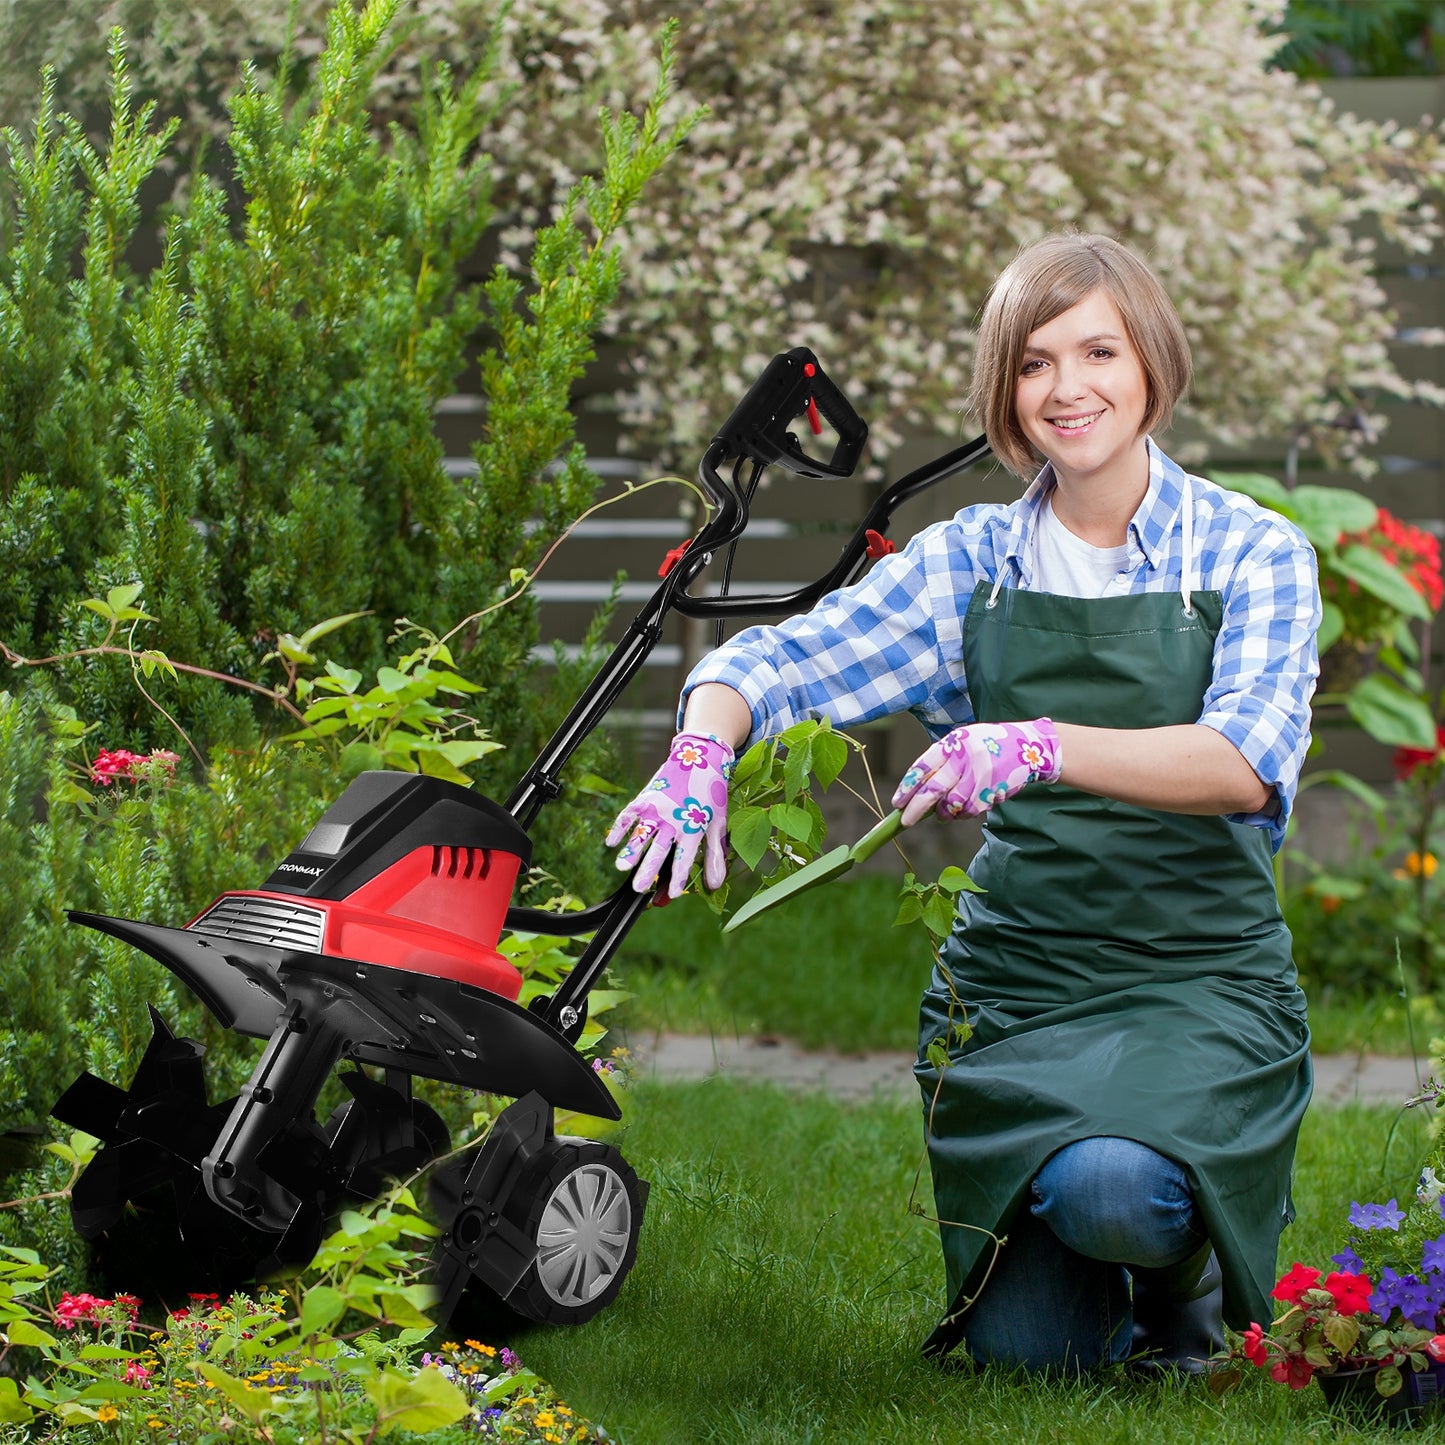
978	765
685	803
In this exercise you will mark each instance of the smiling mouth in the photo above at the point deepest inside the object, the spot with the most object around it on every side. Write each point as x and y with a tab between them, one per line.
1073	423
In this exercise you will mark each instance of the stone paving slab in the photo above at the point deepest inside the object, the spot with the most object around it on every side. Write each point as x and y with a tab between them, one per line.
1339	1078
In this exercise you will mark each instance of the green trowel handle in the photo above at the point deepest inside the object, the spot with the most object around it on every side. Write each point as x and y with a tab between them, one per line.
875	838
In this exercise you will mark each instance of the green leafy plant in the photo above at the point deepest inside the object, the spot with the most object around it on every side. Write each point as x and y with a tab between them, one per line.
337	1356
1376	578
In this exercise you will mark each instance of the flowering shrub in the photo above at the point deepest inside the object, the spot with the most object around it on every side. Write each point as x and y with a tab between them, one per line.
869	165
1383	1305
1367	617
121	763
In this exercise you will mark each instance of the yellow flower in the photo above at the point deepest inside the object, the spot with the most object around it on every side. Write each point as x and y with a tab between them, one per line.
106	1413
479	1347
545	1418
154	1422
1421	865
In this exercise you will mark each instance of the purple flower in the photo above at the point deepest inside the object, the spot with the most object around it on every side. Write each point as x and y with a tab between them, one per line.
1376	1216
1385	1295
509	1360
1414	1300
1432	1256
1349	1261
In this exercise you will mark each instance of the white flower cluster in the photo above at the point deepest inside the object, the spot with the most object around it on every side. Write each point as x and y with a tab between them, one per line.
867	167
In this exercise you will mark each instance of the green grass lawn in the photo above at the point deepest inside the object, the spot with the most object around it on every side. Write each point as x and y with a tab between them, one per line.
782	1289
830	971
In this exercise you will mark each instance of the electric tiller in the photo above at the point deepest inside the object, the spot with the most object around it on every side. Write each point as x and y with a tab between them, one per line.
374	945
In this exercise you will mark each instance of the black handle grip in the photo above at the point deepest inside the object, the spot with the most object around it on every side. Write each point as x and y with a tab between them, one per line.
759	425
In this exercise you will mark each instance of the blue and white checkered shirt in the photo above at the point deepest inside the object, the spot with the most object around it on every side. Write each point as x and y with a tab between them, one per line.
893	641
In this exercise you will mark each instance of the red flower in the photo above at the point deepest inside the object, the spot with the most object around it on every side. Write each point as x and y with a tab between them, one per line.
1292	1285
137	1374
1408	761
129	1302
1254	1350
1351	1292
1436	1348
1293	1371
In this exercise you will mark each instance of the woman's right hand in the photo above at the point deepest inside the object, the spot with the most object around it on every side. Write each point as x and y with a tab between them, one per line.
684	806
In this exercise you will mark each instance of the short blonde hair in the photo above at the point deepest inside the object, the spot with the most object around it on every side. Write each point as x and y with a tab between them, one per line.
1043	281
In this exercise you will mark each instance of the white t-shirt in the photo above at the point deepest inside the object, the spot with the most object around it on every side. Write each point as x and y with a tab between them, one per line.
1068	566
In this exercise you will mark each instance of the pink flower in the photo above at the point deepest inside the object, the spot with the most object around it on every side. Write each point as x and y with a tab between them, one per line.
122	763
137	1374
114	764
73	1307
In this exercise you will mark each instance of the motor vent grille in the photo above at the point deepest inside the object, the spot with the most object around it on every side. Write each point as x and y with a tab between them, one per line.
265	920
461	862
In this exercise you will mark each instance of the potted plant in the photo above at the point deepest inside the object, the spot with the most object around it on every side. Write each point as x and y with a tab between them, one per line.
1371	1330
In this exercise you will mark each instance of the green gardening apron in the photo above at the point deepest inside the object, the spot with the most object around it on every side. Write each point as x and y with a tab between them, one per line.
1127	973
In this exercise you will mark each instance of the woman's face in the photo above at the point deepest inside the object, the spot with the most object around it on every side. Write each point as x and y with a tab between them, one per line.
1081	394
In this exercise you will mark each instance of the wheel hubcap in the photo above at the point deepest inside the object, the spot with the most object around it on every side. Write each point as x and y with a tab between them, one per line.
583	1234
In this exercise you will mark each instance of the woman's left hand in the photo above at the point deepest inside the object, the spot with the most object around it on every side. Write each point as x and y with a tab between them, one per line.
976	766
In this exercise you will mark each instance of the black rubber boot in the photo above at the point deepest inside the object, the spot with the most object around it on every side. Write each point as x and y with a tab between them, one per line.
1178	1321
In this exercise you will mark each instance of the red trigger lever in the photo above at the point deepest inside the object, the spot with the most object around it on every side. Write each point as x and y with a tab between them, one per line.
814	420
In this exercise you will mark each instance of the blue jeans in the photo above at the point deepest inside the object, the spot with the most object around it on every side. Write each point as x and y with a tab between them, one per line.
1059	1294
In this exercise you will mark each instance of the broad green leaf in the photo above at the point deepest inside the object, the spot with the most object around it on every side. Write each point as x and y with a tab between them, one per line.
937	1055
1342	1331
452	682
152	661
433	764
596	786
1404	639
938	914
1366	567
506	1385
348	677
750	830
956	880
1323	513
910	909
13	1410
321	1306
466	752
100	608
799	732
795	769
1390	713
1328	885
1389	1381
792	820
292	650
830	753
749	763
24	1332
1332	625
389	680
107	1352
422	1402
1265	490
402	1311
121	598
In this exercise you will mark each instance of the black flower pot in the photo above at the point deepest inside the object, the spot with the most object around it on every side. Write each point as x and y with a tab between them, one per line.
1353	1392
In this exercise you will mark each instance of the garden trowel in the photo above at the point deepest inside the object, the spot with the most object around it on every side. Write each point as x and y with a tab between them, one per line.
821	870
